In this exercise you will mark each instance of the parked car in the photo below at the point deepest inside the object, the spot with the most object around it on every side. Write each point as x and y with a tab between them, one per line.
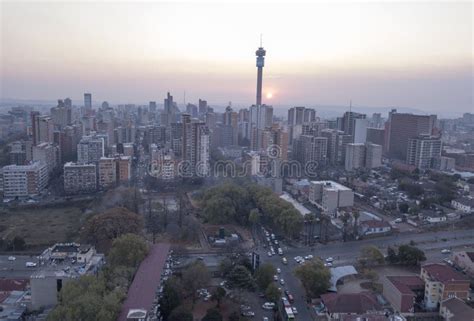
268	305
282	282
284	260
30	264
294	310
275	277
329	260
445	251
308	257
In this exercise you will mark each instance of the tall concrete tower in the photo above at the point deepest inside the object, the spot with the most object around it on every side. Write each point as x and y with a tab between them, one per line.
260	53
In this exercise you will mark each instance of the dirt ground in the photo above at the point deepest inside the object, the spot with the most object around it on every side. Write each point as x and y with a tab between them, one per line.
41	227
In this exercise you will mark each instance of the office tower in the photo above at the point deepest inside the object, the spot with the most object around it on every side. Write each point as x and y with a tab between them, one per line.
68	102
88	101
48	154
360	130
297	116
355	156
229	128
348	122
79	178
67	140
376	121
373	155
260	53
202	107
42	128
124	134
423	150
195	147
152	106
376	136
402	127
24	180
342	141
192	110
90	149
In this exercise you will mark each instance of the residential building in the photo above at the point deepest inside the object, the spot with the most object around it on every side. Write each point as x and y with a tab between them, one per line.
24	180
463	204
373	155
453	309
443	282
42	128
90	149
338	305
79	178
465	260
195	147
47	154
374	227
423	150
311	149
376	136
355	156
107	172
403	292
124	168
329	196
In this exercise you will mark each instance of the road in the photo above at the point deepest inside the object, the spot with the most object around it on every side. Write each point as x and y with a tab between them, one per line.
346	253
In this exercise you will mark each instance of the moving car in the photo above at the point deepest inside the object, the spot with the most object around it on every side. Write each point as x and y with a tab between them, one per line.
328	264
268	305
30	264
308	257
282	282
278	270
11	258
284	260
445	251
329	260
275	277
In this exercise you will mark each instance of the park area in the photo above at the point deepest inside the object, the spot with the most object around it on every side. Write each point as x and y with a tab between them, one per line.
41	227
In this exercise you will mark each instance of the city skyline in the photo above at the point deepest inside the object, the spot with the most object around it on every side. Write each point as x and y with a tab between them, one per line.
316	58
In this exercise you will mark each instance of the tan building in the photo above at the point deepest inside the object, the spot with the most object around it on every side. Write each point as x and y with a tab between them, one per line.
443	282
465	260
79	178
107	172
124	165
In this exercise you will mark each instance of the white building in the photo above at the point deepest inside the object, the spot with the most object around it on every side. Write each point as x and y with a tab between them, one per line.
47	154
464	204
360	130
355	156
90	149
24	180
373	155
423	150
330	196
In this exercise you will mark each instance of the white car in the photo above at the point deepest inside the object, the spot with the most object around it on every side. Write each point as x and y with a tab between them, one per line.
275	277
268	305
308	257
398	220
269	253
282	282
278	270
329	260
294	310
30	264
248	314
445	251
11	258
328	264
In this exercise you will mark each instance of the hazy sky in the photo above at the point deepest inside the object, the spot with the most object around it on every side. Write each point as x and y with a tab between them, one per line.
416	55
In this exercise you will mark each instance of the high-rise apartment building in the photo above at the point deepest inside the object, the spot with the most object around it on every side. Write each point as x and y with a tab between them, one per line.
195	147
373	155
79	178
423	150
90	149
402	127
24	180
311	149
61	115
88	101
107	172
355	156
42	128
48	154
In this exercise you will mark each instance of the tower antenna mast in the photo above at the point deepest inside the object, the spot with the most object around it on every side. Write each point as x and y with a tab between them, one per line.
261	40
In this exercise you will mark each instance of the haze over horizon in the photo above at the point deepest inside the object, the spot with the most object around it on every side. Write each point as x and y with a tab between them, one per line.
375	54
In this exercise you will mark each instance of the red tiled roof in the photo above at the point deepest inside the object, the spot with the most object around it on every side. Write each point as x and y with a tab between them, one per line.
406	284
350	302
375	223
13	284
146	281
443	273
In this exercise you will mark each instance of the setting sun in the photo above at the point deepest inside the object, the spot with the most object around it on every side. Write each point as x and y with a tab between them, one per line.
269	95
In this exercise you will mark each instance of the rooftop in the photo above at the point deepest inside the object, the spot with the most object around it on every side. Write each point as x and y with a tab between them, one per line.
443	273
406	284
297	205
350	302
460	310
375	223
142	291
331	185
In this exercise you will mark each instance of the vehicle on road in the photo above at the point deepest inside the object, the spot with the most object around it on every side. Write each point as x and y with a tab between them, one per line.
329	260
269	253
288	314
278	270
244	307
280	251
295	311
290	298
268	305
248	314
275	277
265	318
448	261
328	264
398	220
11	258
284	260
282	282
30	264
308	257
445	251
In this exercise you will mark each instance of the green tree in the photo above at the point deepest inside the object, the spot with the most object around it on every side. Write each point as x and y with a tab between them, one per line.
392	256
410	255
218	295
314	276
370	256
254	216
18	243
128	250
272	293
264	275
181	313
240	277
212	314
403	207
195	276
171	299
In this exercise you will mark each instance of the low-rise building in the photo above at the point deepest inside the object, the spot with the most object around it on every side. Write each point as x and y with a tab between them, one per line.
403	292
443	282
330	196
374	227
337	306
454	309
463	204
465	260
79	178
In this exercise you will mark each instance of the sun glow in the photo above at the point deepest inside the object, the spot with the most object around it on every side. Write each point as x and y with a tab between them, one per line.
269	95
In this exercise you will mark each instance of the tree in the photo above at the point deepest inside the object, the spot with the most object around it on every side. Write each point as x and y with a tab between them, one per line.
314	276
240	277
264	275
18	243
403	207
272	293
392	256
410	255
194	277
212	314
225	266
111	224
181	313
370	256
234	316
254	216
128	250
171	298
218	294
